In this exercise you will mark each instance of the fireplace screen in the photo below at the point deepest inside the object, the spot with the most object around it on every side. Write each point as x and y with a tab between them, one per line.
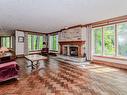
73	51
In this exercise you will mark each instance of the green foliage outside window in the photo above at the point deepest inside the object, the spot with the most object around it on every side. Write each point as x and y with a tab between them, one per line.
40	42
98	41
6	42
109	40
35	42
110	45
53	42
109	37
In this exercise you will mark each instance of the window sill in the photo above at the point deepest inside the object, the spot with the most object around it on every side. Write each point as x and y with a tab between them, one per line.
112	57
34	50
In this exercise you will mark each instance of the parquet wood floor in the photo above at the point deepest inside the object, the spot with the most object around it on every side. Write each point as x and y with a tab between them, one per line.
58	78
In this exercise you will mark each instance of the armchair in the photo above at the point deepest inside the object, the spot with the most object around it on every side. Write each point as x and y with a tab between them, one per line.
44	51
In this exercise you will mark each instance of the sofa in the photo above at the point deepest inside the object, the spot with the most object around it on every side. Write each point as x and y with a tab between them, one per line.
8	67
9	70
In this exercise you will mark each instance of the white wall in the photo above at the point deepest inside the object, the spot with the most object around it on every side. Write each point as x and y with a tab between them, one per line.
19	46
84	34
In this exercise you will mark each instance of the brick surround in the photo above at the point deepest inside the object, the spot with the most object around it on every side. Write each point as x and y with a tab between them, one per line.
79	44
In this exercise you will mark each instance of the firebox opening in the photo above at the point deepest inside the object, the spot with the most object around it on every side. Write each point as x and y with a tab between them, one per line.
73	51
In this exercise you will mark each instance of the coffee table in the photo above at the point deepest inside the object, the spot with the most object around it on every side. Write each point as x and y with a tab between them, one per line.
35	58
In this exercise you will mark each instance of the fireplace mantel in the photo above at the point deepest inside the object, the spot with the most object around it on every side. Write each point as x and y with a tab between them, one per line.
72	42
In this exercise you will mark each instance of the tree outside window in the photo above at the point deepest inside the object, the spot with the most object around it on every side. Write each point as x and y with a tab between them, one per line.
6	42
53	41
40	42
35	42
97	41
109	40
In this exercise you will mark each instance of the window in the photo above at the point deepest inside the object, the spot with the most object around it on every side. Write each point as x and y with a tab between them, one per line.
97	41
53	42
30	42
40	42
109	40
122	39
35	42
6	42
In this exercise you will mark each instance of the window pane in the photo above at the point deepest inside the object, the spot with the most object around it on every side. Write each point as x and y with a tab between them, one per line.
6	42
54	42
97	41
34	42
40	42
109	40
3	42
122	39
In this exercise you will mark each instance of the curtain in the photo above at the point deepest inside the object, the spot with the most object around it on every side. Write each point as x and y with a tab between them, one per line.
89	42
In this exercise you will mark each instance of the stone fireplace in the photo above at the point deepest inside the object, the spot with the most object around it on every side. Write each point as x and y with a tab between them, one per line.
72	44
72	48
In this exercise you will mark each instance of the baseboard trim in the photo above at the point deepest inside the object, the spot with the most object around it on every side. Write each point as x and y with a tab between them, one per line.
112	64
20	56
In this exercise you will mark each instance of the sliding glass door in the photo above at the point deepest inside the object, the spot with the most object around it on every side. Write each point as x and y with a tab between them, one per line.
109	40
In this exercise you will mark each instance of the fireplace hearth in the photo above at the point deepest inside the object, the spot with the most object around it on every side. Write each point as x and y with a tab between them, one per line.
73	51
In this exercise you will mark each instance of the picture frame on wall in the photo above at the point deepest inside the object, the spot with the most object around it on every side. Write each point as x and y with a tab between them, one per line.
20	39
